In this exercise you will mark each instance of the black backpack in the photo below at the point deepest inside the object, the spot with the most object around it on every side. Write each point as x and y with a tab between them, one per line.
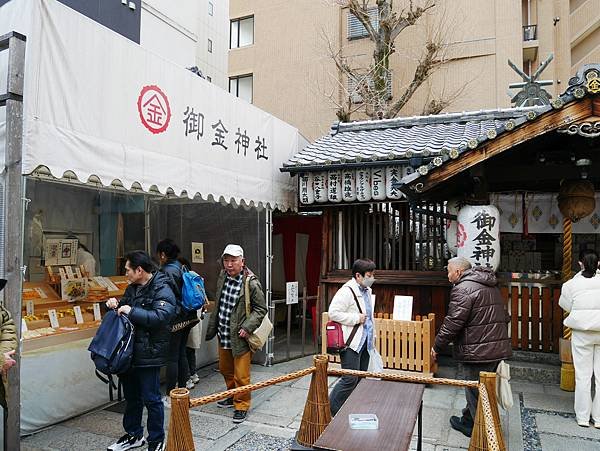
112	347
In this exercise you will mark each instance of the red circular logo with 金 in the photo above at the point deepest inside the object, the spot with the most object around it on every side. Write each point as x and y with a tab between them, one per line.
154	109
461	235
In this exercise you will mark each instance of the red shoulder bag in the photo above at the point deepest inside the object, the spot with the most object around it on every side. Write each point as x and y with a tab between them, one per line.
335	336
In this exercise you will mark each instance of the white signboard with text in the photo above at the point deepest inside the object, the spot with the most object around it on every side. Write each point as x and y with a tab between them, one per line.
291	293
402	308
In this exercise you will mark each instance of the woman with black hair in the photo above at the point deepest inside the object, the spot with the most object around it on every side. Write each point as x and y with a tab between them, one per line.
580	296
177	365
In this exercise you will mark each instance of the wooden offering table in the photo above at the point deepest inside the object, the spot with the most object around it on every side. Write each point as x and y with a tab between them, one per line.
396	404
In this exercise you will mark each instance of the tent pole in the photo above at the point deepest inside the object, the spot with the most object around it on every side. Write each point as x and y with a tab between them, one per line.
13	221
147	224
268	292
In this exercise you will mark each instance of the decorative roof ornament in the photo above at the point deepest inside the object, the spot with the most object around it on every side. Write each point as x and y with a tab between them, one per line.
531	92
585	129
593	81
586	80
472	143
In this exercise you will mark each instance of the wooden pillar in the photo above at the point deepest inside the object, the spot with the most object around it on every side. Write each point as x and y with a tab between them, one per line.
180	432
317	414
481	432
567	371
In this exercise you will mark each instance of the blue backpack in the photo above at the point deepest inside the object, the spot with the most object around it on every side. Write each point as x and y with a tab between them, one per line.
112	347
193	295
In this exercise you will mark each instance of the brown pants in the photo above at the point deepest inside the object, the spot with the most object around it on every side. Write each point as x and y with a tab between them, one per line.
236	371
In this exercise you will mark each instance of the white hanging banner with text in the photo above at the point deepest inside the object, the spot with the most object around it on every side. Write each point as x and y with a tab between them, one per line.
96	103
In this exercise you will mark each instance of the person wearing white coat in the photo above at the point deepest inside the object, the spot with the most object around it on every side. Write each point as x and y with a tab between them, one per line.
580	296
352	307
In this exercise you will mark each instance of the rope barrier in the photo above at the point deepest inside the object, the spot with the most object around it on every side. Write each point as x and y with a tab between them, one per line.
403	378
195	402
317	415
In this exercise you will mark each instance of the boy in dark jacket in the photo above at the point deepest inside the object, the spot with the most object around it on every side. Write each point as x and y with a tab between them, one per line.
150	304
183	321
476	323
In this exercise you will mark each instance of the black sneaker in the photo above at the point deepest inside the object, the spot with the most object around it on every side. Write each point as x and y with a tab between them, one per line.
127	442
466	417
239	415
225	403
156	446
461	426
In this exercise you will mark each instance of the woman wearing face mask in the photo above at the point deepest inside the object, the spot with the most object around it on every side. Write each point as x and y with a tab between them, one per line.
352	307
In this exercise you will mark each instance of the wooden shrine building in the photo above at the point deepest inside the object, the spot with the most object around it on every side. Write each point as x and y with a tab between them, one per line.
389	190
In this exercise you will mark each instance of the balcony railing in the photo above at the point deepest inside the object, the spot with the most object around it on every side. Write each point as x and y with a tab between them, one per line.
529	32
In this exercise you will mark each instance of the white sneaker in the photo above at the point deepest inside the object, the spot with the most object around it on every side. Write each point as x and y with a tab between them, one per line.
195	379
127	442
166	402
189	384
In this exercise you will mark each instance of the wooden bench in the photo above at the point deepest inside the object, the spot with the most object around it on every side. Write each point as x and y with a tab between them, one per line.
403	345
396	404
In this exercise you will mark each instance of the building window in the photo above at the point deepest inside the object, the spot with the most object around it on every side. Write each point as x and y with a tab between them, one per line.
355	94
356	30
209	46
211	9
241	32
241	87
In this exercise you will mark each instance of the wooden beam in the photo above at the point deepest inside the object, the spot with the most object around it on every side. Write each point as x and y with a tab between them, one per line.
596	106
548	122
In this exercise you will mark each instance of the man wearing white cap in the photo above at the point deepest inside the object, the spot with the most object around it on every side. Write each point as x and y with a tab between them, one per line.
230	323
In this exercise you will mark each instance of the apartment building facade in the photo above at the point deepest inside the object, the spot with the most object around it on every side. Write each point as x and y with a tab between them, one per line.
187	32
283	62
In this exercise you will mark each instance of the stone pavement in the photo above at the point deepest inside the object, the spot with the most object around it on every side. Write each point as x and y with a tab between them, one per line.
541	419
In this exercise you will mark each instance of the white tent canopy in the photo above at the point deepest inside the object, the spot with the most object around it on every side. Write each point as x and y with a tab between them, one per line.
97	104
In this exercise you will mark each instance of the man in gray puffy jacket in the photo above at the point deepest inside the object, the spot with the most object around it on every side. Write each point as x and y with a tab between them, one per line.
476	323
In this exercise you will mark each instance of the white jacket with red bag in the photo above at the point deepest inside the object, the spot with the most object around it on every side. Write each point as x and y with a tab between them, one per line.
343	310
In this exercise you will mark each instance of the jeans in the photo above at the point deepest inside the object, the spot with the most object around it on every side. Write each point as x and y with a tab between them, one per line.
191	359
470	372
141	387
351	360
177	366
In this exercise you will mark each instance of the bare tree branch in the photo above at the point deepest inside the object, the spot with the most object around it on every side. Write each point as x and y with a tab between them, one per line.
372	82
426	65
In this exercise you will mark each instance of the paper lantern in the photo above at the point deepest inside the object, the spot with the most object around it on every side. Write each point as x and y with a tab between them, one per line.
378	183
363	185
307	194
576	199
320	186
452	207
393	175
478	237
334	186
349	185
